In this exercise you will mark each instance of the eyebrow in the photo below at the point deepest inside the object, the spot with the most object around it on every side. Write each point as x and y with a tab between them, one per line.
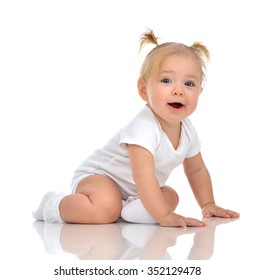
172	72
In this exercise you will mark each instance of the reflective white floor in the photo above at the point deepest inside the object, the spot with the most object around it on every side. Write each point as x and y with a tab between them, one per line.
125	241
31	248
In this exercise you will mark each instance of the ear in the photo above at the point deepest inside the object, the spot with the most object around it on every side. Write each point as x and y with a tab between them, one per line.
142	89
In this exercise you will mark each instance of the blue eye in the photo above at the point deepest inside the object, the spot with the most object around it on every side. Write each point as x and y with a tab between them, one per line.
166	81
189	84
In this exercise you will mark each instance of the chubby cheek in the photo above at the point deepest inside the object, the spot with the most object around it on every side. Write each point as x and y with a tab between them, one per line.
154	96
158	100
193	104
160	95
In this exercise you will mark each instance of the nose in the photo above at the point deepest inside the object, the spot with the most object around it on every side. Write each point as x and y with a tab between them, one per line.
178	91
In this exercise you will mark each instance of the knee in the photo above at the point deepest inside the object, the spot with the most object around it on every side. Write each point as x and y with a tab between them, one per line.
171	197
109	213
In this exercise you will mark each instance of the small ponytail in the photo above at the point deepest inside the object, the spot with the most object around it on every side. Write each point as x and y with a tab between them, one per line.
202	49
148	37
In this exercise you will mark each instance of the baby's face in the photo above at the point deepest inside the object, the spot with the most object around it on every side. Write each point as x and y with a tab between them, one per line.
173	94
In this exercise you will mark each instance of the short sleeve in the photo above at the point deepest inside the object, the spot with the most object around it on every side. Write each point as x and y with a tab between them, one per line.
194	141
144	132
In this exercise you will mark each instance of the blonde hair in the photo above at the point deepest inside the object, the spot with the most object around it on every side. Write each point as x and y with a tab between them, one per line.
154	58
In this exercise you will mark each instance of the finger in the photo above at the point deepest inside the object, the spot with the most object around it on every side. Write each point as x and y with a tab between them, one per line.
232	214
184	226
180	222
194	222
223	213
206	213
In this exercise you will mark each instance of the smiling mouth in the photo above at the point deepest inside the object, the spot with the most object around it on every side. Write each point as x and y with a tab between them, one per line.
176	105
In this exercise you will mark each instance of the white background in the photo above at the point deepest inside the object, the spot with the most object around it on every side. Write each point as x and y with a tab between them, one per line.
68	72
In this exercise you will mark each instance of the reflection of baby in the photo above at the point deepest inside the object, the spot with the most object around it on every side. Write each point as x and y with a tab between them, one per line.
203	242
125	241
92	242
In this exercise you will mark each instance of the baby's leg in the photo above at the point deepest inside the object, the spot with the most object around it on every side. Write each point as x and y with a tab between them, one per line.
48	209
171	197
97	200
135	212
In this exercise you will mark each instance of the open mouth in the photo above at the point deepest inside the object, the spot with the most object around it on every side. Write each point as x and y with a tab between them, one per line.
176	105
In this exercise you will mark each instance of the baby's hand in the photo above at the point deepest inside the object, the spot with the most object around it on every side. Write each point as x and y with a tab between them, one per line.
212	210
175	220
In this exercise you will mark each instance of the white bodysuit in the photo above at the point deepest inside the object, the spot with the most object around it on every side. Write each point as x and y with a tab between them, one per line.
144	130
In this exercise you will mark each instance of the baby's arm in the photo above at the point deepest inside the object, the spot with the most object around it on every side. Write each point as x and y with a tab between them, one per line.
200	182
148	189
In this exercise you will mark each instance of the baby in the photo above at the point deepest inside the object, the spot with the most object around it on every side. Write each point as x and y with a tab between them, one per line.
126	178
